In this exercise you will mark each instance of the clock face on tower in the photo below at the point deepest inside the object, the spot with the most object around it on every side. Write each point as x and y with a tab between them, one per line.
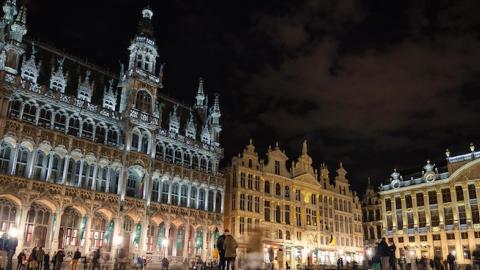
430	177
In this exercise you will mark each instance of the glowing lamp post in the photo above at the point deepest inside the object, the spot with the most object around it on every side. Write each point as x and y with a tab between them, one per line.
13	232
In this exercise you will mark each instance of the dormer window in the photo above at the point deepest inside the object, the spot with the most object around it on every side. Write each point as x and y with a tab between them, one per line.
277	167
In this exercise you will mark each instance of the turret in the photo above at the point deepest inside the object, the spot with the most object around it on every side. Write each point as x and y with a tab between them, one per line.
30	69
85	89
58	80
174	122
143	50
13	47
215	118
19	28
109	97
9	13
190	130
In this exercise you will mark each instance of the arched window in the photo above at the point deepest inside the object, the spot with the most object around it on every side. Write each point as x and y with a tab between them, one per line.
112	136
60	120
195	162
186	159
184	195
278	215
278	189
201	199
73	126
29	113
5	154
267	187
45	118
15	107
102	174
145	143
155	190
37	225
159	154
144	101
178	156
56	172
100	134
133	179
165	189
8	214
99	226
22	159
169	154
114	180
287	235
280	234
135	141
40	167
175	190
193	197
180	240
69	229
209	166
73	172
87	175
87	129
203	164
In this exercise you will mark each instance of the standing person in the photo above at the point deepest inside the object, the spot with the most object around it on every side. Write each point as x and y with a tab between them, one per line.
96	259
270	257
22	261
58	259
391	253
46	262
40	256
280	259
122	259
76	256
451	261
32	259
339	264
221	250
383	252
437	262
165	263
230	247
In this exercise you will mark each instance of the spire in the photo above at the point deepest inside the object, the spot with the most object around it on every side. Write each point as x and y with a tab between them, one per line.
145	26
58	80
10	11
190	130
109	97
304	147
85	89
30	69
19	28
200	94
216	106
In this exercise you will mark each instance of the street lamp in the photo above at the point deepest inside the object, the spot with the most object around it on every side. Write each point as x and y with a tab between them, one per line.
165	244
13	232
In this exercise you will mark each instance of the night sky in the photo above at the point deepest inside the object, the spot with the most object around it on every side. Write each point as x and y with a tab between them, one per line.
375	84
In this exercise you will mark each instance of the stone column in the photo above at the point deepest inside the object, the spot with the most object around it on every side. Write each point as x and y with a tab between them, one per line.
109	179
207	191
49	169
56	228
189	195
88	235
170	193
31	163
222	201
205	247
215	201
13	162
80	173
116	232
187	242
65	169
22	220
143	236
94	178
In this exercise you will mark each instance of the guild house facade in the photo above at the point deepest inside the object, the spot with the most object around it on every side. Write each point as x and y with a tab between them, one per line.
298	209
91	159
435	212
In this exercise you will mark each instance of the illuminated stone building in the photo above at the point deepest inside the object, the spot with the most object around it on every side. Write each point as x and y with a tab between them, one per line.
90	159
297	208
435	212
372	219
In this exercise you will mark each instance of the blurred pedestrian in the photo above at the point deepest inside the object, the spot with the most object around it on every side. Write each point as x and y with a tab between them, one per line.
384	254
230	246
254	257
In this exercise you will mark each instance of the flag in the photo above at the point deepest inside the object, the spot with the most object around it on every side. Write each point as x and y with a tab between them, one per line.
332	240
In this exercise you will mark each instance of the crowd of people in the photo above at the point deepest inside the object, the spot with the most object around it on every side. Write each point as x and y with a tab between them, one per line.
384	258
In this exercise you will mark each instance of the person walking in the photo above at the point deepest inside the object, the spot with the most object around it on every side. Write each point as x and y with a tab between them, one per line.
280	259
32	259
96	259
451	261
392	258
22	261
165	263
437	262
383	252
46	261
230	247
76	256
221	250
340	263
40	256
58	259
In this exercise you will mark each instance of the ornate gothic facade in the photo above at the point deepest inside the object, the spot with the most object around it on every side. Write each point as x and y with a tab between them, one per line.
90	159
